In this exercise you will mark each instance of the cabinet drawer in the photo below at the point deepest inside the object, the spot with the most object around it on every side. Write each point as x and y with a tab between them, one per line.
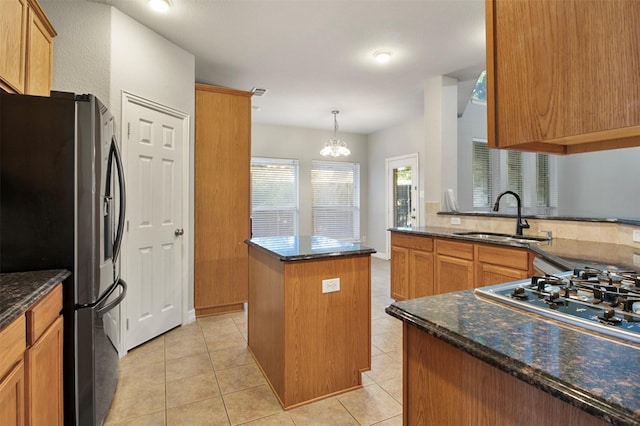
455	249
12	344
43	314
512	258
412	241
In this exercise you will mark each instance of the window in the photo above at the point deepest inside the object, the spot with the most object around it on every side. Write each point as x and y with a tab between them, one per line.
530	175
479	93
274	197
335	205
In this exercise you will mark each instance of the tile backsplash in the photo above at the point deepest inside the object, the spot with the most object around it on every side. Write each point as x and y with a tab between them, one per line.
615	233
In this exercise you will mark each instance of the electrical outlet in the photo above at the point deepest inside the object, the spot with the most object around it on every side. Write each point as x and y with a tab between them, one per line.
331	285
636	235
455	221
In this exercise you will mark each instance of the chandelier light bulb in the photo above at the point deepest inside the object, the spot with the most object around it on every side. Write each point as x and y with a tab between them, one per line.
335	147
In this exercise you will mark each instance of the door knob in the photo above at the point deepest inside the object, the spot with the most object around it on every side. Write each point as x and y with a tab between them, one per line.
179	232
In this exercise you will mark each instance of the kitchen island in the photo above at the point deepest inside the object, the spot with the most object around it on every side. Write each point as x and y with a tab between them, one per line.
309	315
470	361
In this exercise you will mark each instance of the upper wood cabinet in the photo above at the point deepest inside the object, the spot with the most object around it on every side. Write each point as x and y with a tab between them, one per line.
222	199
26	48
563	76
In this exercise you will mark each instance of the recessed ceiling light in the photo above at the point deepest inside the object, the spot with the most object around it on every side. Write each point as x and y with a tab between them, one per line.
382	56
160	5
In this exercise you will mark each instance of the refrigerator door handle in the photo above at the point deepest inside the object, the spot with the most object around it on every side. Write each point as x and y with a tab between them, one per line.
114	154
106	308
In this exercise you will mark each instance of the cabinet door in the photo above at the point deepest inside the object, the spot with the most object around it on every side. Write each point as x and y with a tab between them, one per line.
399	273
420	274
13	22
39	57
453	274
12	397
492	274
44	378
222	199
563	76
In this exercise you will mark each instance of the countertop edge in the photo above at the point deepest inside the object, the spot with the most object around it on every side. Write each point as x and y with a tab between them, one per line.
40	289
313	256
607	411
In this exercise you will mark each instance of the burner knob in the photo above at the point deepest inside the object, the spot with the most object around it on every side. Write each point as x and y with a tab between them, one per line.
609	313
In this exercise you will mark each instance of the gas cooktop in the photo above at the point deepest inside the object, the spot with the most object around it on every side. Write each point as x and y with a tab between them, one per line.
602	300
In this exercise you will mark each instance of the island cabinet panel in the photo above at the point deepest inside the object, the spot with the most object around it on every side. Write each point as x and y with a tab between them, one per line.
310	344
399	273
443	385
563	76
222	199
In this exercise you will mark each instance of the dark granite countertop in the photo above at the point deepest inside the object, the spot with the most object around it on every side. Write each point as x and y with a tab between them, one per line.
20	290
566	253
599	375
307	247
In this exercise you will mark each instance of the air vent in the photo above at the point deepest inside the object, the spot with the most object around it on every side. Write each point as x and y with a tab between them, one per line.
258	92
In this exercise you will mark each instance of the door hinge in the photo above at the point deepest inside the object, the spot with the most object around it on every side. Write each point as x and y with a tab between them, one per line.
127	323
128	130
127	226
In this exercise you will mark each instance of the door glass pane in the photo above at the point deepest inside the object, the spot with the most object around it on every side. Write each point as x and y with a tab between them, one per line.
402	197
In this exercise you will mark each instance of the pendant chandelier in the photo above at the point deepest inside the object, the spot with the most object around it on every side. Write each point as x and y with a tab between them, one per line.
335	147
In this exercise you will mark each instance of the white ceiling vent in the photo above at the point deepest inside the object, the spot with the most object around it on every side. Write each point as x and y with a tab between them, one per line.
258	92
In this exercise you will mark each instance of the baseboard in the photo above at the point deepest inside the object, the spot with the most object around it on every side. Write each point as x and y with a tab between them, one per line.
191	316
379	255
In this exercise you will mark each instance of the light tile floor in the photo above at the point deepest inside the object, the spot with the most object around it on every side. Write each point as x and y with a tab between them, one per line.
203	374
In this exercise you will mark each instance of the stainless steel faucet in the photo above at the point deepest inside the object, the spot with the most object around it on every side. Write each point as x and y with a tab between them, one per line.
520	225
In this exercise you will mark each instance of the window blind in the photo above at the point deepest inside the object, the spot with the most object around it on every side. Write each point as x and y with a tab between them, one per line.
274	197
335	207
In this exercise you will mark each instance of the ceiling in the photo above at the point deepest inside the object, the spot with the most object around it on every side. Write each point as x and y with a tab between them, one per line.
317	56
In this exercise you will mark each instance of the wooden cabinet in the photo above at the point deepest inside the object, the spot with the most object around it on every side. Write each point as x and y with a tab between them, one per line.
563	76
222	199
12	346
31	365
411	266
445	386
501	264
454	266
43	361
26	48
423	266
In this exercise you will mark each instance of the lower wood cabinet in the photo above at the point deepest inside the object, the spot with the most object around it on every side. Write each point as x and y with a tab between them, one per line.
31	365
412	267
423	266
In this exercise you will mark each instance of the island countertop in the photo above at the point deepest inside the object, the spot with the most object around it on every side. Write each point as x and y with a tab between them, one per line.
597	374
307	247
20	290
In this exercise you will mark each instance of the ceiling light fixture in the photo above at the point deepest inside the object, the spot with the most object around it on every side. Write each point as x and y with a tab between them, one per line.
382	56
160	5
335	147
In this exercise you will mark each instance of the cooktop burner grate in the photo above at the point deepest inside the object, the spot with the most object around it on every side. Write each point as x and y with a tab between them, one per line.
606	301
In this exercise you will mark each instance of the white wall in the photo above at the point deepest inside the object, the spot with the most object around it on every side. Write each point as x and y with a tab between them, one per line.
82	48
305	145
472	124
100	50
405	138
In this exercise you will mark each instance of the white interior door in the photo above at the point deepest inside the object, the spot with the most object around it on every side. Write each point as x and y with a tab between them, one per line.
155	138
403	207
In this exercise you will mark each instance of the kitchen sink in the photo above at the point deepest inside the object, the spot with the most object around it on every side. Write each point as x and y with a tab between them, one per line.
492	236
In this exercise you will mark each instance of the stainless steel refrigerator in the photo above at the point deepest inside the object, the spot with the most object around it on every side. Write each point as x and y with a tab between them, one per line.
62	205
